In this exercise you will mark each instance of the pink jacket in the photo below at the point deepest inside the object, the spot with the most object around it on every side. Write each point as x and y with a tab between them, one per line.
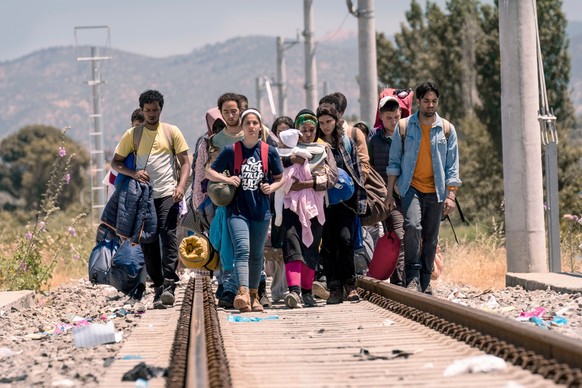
306	203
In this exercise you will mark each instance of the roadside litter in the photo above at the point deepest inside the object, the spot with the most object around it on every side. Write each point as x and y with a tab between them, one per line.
145	372
476	364
95	334
240	318
396	353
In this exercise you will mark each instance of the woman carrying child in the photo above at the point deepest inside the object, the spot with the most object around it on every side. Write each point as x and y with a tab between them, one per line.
303	216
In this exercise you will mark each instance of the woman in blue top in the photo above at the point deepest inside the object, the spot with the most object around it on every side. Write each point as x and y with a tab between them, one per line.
249	214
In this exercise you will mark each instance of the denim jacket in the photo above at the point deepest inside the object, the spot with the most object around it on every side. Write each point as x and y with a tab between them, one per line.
445	156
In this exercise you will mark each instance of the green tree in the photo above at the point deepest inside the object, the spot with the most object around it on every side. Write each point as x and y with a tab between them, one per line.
27	159
459	50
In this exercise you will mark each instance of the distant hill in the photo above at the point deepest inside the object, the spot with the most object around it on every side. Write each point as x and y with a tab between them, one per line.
50	87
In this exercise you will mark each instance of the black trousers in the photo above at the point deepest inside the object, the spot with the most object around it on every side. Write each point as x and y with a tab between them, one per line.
162	262
337	248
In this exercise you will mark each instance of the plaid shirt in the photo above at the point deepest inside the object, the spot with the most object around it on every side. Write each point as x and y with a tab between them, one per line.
354	169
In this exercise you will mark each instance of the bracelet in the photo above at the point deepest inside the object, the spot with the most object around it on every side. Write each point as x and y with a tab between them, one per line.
452	199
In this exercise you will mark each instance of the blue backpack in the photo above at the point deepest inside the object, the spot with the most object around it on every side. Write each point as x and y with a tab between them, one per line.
119	264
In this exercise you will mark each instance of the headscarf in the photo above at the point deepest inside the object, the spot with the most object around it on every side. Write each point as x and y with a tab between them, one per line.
305	116
212	115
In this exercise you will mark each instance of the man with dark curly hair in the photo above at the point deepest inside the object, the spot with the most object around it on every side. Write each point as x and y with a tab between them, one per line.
157	147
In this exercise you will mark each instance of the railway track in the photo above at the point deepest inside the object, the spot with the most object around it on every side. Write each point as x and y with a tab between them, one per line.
391	337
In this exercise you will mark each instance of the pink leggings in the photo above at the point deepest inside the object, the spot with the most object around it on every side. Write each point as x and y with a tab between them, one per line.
299	274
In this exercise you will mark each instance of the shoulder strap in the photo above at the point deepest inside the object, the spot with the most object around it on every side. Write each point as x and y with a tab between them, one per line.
447	128
237	157
137	134
402	124
265	156
354	131
169	136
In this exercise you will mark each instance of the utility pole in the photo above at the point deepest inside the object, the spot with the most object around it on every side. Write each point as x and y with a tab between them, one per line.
547	122
282	72
522	169
310	66
97	159
258	87
368	77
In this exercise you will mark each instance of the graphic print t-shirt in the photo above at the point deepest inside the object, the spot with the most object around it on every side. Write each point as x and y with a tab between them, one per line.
249	200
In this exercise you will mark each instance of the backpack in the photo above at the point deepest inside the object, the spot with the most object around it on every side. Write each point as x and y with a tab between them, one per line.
102	254
405	98
116	263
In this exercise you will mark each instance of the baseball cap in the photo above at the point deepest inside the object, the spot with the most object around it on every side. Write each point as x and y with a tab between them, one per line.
384	100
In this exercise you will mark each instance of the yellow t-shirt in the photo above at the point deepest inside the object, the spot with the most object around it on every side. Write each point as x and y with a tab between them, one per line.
155	156
423	177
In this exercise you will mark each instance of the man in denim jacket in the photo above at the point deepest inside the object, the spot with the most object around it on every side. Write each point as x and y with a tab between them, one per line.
426	166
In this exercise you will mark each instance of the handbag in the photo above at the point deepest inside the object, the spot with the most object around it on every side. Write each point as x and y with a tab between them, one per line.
220	193
376	210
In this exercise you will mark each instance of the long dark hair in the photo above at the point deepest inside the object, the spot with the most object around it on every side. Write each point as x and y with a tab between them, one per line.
338	131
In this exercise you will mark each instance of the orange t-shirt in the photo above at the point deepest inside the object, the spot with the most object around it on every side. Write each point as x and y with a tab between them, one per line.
423	177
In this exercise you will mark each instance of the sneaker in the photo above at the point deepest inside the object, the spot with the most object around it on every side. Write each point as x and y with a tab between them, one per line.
428	290
319	291
263	298
352	294
414	285
167	296
293	301
158	304
226	300
219	291
309	300
336	296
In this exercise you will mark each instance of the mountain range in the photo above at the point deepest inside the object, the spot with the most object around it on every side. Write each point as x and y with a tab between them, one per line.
50	86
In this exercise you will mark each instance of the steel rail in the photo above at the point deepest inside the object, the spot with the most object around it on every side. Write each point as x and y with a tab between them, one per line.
197	366
547	344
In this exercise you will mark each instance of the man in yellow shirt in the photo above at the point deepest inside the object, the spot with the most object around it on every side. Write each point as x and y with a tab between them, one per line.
154	164
426	166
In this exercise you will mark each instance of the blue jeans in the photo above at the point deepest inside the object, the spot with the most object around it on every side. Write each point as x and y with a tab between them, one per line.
422	220
248	238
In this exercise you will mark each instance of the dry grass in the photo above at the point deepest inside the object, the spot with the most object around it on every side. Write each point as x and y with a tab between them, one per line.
474	264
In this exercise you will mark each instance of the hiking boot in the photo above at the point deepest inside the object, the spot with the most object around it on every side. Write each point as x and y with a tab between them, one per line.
352	294
414	285
256	305
167	296
226	300
336	296
242	301
320	291
263	298
293	300
309	300
158	304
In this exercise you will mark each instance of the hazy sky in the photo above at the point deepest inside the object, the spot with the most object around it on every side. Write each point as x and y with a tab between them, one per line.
162	28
